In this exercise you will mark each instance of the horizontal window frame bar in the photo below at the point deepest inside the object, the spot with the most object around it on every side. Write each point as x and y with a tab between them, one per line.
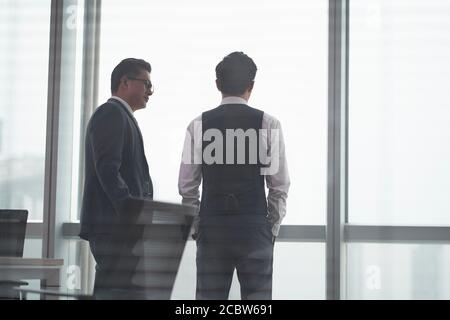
396	234
314	233
288	233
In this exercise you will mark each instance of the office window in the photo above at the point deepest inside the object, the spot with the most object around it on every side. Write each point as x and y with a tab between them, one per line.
70	135
24	54
399	112
291	280
1	137
420	271
185	40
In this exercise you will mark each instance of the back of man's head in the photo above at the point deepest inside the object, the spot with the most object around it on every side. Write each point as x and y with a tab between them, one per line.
129	67
235	73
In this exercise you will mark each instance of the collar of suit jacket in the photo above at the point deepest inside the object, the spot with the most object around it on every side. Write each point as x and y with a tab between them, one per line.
124	103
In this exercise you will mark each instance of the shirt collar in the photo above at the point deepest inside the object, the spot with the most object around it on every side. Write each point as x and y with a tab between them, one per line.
124	103
233	100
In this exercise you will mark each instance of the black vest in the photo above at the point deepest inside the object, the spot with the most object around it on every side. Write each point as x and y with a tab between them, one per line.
236	189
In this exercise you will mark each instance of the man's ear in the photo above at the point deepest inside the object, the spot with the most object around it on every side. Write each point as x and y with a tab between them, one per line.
219	87
123	81
250	86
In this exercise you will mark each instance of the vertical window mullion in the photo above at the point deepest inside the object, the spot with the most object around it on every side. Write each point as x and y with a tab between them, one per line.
337	143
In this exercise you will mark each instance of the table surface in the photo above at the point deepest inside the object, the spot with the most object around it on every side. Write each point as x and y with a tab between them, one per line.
19	261
19	269
59	294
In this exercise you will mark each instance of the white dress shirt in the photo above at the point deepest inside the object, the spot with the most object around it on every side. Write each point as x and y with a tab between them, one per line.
124	103
278	183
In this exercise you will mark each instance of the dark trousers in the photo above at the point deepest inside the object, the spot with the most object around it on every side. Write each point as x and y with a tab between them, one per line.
222	249
117	261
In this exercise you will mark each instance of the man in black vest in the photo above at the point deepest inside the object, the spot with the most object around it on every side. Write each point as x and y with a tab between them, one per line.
234	150
116	180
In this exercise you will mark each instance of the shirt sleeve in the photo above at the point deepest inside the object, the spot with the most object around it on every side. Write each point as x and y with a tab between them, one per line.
190	175
277	175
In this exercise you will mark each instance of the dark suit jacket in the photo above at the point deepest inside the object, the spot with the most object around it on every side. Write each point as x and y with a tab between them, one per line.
116	170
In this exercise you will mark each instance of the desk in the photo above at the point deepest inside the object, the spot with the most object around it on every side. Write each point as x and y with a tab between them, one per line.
55	294
47	270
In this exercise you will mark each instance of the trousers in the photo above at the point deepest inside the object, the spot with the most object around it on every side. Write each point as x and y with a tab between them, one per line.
223	249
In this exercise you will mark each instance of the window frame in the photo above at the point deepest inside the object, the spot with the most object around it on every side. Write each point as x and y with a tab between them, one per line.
336	233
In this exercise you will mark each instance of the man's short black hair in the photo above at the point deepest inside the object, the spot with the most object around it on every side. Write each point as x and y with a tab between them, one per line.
130	67
235	73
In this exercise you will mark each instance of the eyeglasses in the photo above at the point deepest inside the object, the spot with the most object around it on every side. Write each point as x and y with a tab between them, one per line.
147	83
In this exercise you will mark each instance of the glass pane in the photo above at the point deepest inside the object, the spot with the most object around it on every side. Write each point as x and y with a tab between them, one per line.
399	112
33	249
24	58
185	40
69	137
294	277
24	55
77	274
398	271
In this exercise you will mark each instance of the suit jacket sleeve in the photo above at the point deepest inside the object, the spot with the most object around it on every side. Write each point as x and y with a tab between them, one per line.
107	135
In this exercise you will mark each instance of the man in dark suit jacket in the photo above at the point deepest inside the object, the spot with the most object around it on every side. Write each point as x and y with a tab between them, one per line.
117	179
